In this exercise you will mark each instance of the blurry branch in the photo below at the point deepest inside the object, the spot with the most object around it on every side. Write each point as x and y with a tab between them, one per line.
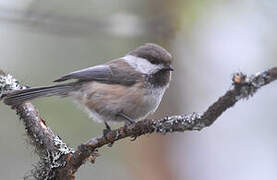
61	162
121	24
50	22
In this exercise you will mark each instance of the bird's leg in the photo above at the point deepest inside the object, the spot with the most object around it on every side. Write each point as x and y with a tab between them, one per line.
130	121
106	131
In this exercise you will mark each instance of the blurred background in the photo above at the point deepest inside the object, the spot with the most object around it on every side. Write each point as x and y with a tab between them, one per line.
210	40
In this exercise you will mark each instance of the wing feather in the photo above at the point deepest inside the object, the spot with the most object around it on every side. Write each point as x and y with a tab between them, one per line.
96	73
114	72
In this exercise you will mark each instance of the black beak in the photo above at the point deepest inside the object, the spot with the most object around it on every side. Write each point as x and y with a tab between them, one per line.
169	68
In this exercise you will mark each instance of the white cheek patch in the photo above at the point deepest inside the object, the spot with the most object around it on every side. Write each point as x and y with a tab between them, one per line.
142	65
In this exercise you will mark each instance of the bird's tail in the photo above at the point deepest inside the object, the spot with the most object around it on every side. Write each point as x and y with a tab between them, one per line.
19	96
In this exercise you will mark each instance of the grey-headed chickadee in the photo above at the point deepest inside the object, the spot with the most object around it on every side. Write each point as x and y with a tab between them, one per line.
125	89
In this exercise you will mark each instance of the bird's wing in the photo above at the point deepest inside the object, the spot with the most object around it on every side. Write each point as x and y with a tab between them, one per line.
96	73
109	73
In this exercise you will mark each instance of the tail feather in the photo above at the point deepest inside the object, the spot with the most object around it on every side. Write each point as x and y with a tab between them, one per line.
19	96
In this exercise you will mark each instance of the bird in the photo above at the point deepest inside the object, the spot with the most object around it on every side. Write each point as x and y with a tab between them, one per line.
126	89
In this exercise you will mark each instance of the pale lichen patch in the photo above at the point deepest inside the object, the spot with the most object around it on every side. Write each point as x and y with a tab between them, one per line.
8	83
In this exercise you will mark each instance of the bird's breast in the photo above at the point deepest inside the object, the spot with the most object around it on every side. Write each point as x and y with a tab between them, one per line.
105	101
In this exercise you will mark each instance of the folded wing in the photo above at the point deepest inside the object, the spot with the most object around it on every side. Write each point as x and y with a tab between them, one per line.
108	73
96	73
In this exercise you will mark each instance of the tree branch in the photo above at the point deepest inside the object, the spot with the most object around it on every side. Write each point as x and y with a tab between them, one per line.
61	162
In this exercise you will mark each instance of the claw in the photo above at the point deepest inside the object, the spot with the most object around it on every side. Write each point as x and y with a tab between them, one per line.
105	132
133	138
